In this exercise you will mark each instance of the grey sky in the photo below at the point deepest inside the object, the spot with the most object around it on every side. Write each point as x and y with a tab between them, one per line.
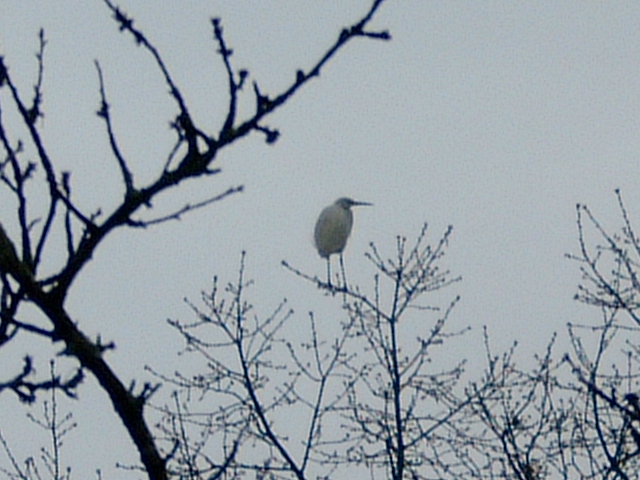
496	117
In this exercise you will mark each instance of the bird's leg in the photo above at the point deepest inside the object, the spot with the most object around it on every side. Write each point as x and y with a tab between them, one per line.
329	271
344	275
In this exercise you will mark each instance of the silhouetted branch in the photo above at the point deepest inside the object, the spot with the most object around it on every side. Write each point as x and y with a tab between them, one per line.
126	24
26	390
617	287
177	215
234	85
29	116
103	113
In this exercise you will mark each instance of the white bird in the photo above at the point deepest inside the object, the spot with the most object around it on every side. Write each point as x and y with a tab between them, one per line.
332	231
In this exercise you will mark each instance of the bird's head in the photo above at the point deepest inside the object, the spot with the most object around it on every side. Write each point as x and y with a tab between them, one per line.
346	203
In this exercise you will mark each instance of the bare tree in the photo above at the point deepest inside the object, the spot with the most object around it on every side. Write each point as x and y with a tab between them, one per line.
575	414
23	253
380	402
374	399
605	360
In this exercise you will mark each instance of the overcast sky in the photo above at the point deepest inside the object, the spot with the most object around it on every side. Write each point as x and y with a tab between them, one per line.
496	117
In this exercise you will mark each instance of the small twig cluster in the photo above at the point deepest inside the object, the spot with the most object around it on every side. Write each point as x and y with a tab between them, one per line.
57	427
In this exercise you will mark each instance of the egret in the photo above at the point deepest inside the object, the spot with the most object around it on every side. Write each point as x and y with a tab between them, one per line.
332	231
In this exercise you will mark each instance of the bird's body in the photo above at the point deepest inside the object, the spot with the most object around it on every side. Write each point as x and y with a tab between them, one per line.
333	229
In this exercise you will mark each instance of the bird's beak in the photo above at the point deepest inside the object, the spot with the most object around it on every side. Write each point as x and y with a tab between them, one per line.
364	204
